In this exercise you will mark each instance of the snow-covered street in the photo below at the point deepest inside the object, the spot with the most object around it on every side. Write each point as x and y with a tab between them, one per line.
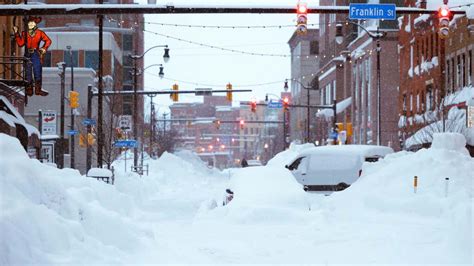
175	214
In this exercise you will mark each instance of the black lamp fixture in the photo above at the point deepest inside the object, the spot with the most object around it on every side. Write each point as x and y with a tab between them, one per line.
166	56
161	74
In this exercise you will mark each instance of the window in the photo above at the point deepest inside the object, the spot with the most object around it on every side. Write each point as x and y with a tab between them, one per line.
458	72
127	42
469	68
429	97
92	59
448	75
75	58
452	74
404	103
314	47
127	104
127	75
435	45
463	70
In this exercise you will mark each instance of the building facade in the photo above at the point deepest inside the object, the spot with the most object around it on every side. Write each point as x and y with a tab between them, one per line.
304	86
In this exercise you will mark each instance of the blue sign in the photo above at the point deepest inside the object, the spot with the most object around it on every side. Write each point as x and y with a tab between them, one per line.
372	11
333	135
72	132
88	122
126	143
272	104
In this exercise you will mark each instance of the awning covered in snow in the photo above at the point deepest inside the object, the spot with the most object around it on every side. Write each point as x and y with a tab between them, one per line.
340	107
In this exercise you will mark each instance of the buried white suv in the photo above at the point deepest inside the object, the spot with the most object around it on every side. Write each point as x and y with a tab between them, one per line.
334	167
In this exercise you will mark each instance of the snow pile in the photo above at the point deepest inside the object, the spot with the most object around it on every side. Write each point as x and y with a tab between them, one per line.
51	215
262	195
450	141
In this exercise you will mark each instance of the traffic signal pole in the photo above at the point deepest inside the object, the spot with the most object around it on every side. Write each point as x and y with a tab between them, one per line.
89	128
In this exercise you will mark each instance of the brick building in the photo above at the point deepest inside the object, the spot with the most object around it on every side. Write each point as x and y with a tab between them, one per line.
197	129
348	74
431	68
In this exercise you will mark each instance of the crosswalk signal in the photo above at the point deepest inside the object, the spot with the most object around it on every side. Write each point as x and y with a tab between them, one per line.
302	19
242	124
174	96
74	99
253	106
444	16
229	92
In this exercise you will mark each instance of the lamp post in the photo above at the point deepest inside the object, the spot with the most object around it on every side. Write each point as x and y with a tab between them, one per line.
375	36
308	112
62	75
72	110
135	57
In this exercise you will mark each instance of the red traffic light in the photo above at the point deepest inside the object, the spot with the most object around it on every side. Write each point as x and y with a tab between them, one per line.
253	106
242	123
286	100
302	8
444	11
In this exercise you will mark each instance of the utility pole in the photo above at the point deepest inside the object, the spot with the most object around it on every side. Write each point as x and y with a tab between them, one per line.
100	137
135	111
89	128
62	75
72	109
152	124
308	136
379	98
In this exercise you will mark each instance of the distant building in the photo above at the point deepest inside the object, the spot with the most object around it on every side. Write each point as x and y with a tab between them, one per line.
198	130
304	72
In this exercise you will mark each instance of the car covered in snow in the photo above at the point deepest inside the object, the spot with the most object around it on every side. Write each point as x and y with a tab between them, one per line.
254	163
333	167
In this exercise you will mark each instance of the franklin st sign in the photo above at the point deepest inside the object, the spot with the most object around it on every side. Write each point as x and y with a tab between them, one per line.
372	11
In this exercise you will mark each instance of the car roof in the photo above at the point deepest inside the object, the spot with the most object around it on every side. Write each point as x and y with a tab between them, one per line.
361	150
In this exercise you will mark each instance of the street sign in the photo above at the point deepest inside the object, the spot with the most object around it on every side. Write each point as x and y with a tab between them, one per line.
88	122
333	135
372	11
125	123
48	123
131	143
275	104
72	132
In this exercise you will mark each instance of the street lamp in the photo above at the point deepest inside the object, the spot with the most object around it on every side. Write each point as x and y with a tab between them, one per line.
135	57
72	153
375	36
308	120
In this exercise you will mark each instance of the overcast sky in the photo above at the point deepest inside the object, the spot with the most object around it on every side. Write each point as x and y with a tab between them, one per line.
214	67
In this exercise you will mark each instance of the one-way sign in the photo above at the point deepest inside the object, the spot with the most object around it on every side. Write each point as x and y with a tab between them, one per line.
372	11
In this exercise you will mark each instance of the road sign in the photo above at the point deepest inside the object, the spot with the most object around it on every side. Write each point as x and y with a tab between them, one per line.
125	123
333	135
372	11
131	143
274	104
48	123
88	122
72	132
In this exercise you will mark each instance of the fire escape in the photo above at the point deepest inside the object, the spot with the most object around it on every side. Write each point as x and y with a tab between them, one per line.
13	80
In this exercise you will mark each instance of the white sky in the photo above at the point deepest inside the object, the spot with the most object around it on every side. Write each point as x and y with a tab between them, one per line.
197	64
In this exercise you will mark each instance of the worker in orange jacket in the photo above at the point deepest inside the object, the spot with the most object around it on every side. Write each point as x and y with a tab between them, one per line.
34	53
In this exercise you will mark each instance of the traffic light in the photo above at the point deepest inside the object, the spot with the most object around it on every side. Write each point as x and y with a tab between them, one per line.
242	123
90	139
174	96
302	19
229	92
253	106
73	99
444	16
218	124
286	104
